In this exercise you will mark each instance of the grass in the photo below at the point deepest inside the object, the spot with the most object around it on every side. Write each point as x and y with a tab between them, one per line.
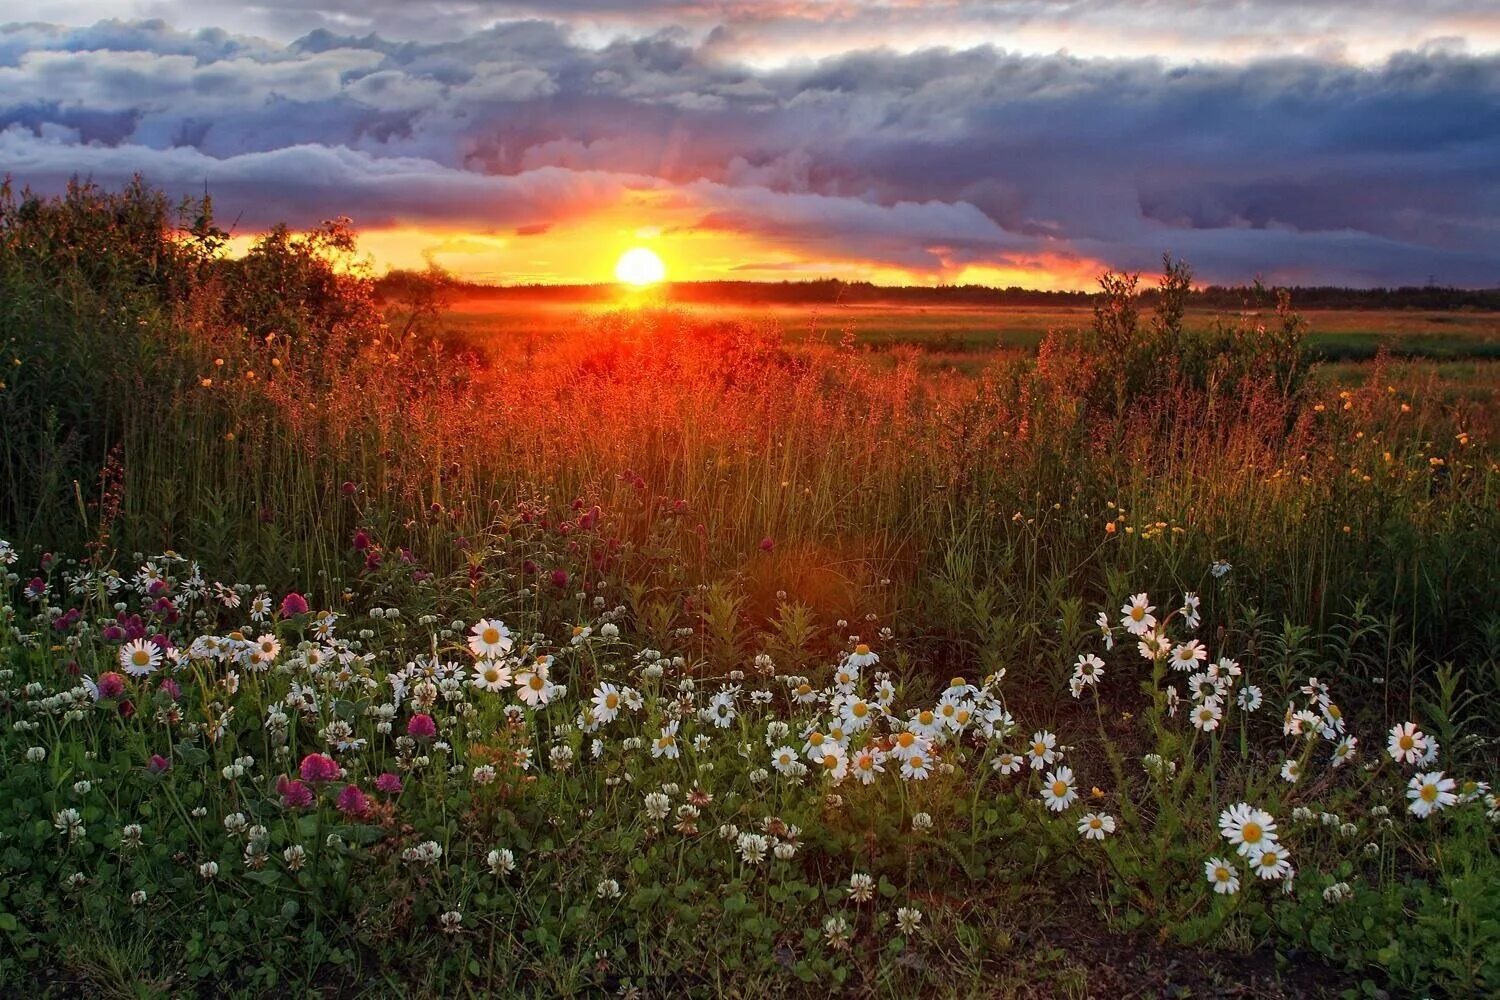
714	512
966	337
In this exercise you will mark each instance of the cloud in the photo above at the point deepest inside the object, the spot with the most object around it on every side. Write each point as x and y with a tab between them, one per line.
933	161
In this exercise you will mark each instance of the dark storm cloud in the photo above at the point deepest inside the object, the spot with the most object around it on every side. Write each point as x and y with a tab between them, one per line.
1298	168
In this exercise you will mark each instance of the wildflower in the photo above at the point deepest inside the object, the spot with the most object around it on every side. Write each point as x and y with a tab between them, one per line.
606	703
834	763
1220	569
1222	875
657	806
1207	715
1153	646
421	726
908	920
921	821
501	861
318	767
1106	631
70	822
140	657
36	754
489	639
130	836
484	774
1138	618
1188	655
1430	792
1249	698
720	710
1190	616
1088	670
138	898
491	675
1291	770
295	857
532	684
1407	743
1272	863
1345	751
451	921
293	604
158	764
866	764
208	870
784	759
388	784
294	794
1096	826
1042	750
1006	763
862	656
1337	893
1058	793
1251	830
861	887
916	767
836	932
665	745
607	889
752	847
110	686
352	801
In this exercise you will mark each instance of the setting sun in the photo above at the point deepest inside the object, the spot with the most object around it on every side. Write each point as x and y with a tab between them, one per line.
640	267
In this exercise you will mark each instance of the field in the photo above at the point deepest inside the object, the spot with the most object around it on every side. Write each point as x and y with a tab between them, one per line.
363	647
1460	349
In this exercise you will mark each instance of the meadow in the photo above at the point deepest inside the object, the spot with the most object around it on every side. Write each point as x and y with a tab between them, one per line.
663	651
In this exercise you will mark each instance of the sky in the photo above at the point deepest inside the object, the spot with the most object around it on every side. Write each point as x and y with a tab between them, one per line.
1012	142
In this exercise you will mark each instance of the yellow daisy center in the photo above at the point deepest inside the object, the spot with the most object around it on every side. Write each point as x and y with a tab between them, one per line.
1251	832
491	635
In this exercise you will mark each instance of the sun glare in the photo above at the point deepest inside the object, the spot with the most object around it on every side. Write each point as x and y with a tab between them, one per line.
640	267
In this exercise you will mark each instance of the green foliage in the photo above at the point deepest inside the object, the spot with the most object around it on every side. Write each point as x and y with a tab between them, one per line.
264	412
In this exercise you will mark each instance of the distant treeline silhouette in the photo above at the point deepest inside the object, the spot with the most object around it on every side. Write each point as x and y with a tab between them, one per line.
832	291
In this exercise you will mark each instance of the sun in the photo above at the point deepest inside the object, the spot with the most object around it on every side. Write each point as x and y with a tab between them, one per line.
640	267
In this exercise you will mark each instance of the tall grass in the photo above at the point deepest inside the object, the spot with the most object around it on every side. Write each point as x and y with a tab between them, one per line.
260	411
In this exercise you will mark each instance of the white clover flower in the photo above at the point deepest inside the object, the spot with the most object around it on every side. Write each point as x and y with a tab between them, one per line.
658	805
501	861
908	920
861	887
